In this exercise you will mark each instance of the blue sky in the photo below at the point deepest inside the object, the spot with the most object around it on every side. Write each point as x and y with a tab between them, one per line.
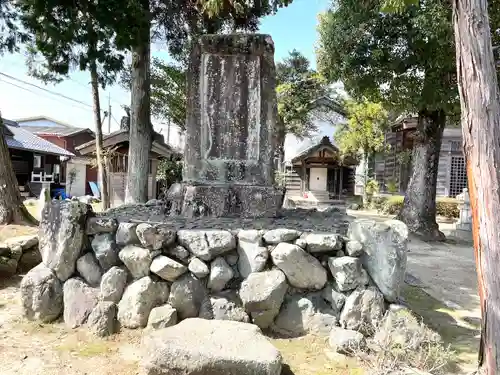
292	27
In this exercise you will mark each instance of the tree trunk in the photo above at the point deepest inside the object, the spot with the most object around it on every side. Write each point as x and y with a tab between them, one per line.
12	209
141	131
480	105
101	166
419	207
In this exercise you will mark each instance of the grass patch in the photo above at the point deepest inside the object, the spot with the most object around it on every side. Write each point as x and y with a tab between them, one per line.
83	349
455	329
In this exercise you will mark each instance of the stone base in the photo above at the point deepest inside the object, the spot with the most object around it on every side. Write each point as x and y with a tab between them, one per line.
225	200
464	235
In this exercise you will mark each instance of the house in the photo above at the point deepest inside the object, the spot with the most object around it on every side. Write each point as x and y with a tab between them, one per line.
116	147
78	171
317	174
395	166
37	163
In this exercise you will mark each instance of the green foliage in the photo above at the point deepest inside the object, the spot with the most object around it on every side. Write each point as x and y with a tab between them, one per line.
447	207
168	90
404	157
392	186
169	171
10	34
372	187
404	60
364	132
298	89
279	178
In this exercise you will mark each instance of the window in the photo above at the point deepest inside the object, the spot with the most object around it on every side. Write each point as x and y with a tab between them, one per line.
458	175
37	161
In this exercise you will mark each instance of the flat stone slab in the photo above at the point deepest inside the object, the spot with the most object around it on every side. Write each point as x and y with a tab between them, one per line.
198	346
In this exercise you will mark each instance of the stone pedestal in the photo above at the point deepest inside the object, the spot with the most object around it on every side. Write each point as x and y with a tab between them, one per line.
463	227
231	129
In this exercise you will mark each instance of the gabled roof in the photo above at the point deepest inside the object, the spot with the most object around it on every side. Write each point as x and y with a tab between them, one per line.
325	143
21	139
112	139
60	129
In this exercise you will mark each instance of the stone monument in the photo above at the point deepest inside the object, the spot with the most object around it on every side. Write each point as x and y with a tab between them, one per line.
463	227
231	129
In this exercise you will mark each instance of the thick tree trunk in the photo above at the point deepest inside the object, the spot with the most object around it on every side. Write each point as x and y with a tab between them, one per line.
419	207
480	104
141	130
12	209
101	166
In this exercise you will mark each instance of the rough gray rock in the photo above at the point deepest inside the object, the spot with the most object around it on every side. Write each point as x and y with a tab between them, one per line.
363	310
29	259
385	253
275	236
97	225
224	306
207	244
137	260
199	346
198	268
126	234
220	274
62	232
334	297
179	252
41	294
168	269
155	237
162	317
348	273
354	248
252	255
301	241
232	258
88	268
8	266
113	284
301	269
346	341
187	295
105	250
102	319
262	295
139	299
79	301
26	242
301	315
323	242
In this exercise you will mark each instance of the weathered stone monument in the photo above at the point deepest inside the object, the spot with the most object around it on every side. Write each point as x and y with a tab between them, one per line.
231	129
463	227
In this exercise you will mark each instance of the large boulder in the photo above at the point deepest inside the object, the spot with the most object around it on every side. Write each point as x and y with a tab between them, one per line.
126	234
102	319
187	295
262	294
199	346
363	310
303	314
207	244
301	269
198	268
275	236
252	255
41	294
139	299
137	260
97	225
335	298
162	317
89	269
323	242
385	253
79	301
224	306
348	273
62	235
113	284
168	269
155	237
346	341
106	250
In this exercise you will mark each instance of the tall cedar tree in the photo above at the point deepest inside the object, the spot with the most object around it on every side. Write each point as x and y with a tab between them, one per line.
73	35
402	60
476	24
12	209
178	23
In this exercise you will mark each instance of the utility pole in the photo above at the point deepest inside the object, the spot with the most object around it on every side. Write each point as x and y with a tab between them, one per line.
109	113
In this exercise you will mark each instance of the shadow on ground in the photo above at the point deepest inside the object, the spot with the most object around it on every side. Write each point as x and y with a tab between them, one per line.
459	332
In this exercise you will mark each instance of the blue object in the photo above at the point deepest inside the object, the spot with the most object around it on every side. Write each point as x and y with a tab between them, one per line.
95	189
60	193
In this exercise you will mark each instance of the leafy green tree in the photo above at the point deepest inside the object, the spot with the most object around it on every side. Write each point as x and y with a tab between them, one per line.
363	135
403	61
73	36
12	209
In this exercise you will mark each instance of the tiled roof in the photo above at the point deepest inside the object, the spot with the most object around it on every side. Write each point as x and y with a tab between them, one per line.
54	130
22	139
